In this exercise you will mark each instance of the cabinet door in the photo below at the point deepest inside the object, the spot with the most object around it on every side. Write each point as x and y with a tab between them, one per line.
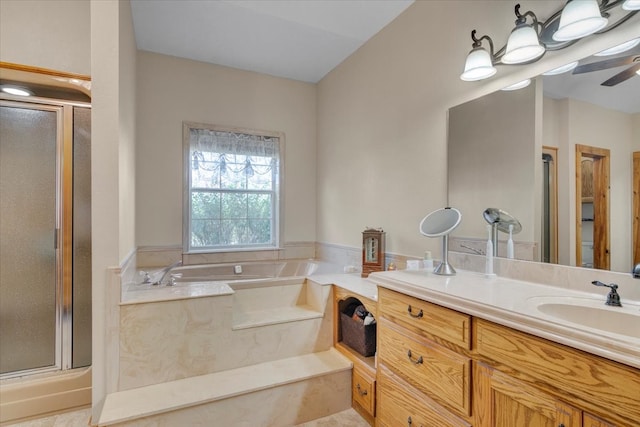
502	401
589	420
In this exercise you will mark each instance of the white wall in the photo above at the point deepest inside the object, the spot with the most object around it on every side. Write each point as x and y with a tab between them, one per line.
382	143
46	34
172	90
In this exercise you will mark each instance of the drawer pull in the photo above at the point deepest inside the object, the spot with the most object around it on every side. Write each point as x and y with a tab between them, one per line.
409	422
417	316
418	361
361	392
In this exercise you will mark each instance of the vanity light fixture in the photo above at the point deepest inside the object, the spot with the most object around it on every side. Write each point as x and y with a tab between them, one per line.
620	48
16	90
631	5
519	85
479	63
523	44
528	42
562	69
579	18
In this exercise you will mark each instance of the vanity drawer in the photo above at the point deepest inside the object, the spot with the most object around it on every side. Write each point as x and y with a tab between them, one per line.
400	405
425	318
432	369
363	391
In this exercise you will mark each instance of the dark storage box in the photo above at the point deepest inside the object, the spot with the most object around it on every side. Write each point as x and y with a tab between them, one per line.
359	337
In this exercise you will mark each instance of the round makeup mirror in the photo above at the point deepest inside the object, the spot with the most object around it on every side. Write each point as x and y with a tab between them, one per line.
438	223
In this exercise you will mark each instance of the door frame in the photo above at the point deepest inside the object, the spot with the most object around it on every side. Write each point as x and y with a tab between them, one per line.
601	165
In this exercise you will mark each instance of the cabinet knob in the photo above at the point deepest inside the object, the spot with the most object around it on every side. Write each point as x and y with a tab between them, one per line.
361	392
417	361
417	316
409	422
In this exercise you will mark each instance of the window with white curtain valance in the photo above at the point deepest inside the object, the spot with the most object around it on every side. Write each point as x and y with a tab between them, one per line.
232	184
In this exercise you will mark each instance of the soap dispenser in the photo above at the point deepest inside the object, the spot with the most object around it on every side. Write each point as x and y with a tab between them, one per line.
427	262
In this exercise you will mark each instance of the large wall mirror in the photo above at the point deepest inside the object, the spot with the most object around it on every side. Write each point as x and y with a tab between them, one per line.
558	156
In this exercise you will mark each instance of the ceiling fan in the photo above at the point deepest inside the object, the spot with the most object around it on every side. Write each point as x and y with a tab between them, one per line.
631	61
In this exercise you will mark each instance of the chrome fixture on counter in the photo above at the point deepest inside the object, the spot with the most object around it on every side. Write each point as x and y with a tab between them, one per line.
165	272
528	43
636	271
613	298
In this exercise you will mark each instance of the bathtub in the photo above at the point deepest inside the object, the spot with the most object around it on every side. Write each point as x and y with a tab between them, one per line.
220	279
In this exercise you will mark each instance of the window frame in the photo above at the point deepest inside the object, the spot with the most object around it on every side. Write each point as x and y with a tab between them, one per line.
277	205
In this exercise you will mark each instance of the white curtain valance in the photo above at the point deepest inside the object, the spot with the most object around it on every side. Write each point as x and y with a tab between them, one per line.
211	141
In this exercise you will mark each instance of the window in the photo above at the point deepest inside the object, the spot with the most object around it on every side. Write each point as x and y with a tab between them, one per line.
232	188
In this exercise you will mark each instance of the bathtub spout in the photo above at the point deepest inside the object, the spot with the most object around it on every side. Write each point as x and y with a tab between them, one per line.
165	271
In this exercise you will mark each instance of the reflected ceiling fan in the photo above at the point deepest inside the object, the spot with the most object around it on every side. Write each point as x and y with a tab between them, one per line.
631	61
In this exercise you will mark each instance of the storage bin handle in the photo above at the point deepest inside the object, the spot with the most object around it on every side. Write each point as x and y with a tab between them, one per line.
417	316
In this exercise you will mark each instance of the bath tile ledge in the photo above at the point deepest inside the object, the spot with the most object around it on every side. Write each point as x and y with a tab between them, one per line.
349	281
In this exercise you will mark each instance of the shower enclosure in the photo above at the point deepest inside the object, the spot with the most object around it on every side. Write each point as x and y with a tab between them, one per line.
45	236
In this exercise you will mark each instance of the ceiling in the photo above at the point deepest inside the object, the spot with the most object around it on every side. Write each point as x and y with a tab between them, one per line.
305	39
300	40
587	87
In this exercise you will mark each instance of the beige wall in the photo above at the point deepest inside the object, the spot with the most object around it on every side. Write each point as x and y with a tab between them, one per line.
491	160
599	127
113	130
173	90
382	139
46	34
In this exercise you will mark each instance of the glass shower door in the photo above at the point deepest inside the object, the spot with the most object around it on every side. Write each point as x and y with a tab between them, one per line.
30	147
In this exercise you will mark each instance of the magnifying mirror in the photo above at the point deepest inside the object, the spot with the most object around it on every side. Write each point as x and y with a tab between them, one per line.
438	223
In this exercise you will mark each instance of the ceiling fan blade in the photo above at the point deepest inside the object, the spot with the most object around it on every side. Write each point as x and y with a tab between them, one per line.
622	76
606	64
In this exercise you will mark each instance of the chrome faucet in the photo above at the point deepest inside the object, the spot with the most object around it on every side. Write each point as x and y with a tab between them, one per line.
613	298
636	271
165	272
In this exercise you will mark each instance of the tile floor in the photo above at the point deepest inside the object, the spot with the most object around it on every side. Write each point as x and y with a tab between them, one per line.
80	418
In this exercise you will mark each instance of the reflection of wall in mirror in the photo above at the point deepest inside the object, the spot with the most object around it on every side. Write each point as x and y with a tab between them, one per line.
492	161
568	122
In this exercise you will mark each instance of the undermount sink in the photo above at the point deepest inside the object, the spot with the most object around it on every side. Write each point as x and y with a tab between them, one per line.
592	313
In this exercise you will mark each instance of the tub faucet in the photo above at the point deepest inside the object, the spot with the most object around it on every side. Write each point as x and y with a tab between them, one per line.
165	271
613	299
636	271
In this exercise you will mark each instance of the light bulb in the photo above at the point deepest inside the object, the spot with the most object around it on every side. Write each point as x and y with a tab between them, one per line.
562	69
623	47
579	18
523	45
478	65
518	85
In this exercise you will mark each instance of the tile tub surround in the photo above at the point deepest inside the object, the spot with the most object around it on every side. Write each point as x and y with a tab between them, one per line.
506	301
168	340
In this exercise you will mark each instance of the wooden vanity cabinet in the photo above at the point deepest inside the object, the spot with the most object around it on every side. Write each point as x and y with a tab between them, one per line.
440	367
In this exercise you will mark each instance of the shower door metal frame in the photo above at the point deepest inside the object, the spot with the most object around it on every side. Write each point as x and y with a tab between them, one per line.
64	226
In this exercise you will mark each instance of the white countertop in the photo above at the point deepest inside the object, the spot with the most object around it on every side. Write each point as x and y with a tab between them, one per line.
512	303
